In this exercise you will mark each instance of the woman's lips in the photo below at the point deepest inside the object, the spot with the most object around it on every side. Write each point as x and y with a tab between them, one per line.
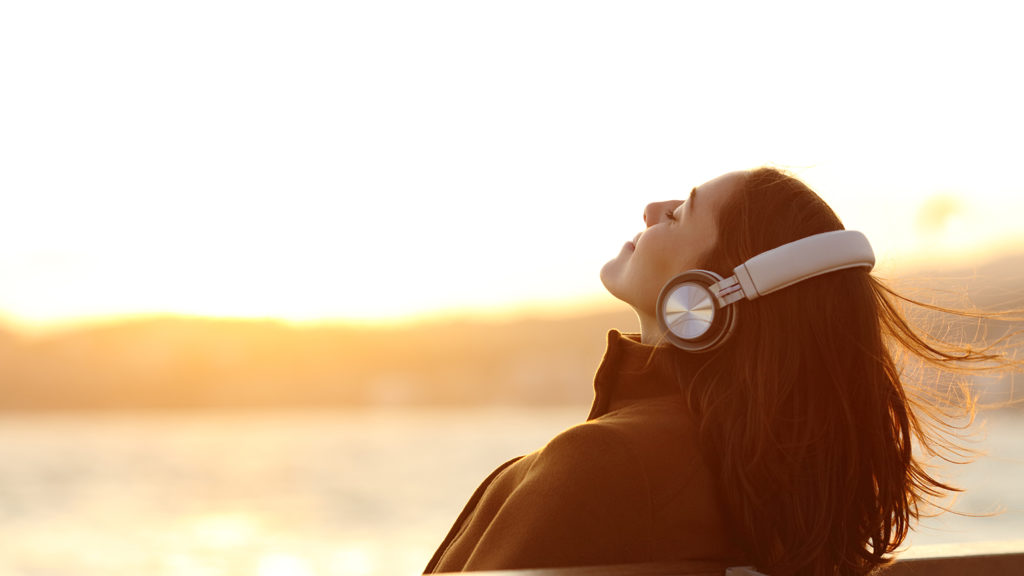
636	238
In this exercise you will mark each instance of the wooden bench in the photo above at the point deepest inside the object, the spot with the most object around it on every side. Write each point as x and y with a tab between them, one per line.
981	558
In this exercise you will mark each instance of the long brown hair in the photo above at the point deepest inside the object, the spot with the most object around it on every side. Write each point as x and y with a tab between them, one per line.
806	415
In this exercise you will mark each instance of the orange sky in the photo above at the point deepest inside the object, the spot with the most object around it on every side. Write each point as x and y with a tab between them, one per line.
388	160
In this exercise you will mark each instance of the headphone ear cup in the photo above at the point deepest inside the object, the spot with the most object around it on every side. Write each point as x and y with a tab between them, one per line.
689	314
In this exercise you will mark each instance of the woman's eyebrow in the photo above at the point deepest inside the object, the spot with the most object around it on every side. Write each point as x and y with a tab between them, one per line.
692	198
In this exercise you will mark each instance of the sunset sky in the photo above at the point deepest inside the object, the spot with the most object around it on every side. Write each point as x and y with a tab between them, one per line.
389	160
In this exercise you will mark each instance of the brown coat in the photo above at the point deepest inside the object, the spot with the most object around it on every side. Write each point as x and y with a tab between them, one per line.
628	485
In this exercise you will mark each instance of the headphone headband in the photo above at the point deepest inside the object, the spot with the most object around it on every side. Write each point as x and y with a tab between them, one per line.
694	307
795	262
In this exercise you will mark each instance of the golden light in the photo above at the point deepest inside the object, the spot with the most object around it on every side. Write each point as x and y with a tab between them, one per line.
283	565
225	530
351	561
357	165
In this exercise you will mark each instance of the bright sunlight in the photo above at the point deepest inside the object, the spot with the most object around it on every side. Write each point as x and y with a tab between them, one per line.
394	160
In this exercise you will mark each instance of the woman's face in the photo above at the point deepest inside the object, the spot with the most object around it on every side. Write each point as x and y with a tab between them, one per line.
679	234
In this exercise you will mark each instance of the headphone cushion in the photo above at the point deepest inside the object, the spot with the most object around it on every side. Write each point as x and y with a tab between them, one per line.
689	314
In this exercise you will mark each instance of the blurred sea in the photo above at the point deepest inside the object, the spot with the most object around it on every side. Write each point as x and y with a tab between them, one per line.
316	492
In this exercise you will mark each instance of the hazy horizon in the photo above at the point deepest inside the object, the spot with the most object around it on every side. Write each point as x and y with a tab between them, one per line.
598	302
533	359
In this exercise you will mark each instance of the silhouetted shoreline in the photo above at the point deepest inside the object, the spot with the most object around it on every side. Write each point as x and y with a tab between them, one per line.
189	363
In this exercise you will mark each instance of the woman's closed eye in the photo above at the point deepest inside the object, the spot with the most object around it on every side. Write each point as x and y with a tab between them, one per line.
671	215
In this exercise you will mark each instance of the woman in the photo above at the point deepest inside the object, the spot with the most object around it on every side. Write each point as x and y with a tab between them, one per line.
786	447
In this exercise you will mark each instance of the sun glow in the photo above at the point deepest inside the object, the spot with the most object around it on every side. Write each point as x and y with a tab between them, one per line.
224	530
396	160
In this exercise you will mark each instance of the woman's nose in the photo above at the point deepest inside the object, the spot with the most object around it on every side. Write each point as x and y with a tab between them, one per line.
654	211
651	214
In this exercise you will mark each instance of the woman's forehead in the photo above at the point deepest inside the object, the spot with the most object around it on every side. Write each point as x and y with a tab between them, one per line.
716	190
728	180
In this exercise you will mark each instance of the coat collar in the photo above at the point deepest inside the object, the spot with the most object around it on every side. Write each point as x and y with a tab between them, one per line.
631	372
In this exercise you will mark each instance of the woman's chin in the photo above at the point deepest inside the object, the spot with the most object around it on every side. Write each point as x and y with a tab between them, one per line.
614	288
610	273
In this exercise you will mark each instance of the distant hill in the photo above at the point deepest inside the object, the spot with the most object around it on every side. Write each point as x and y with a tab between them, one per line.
991	285
190	362
194	362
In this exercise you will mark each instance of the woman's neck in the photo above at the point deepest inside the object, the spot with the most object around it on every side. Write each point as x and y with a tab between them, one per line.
650	331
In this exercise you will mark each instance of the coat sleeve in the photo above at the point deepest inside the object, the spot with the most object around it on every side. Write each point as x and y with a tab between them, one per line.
584	501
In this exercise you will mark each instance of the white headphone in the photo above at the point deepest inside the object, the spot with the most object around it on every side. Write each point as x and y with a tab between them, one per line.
694	308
